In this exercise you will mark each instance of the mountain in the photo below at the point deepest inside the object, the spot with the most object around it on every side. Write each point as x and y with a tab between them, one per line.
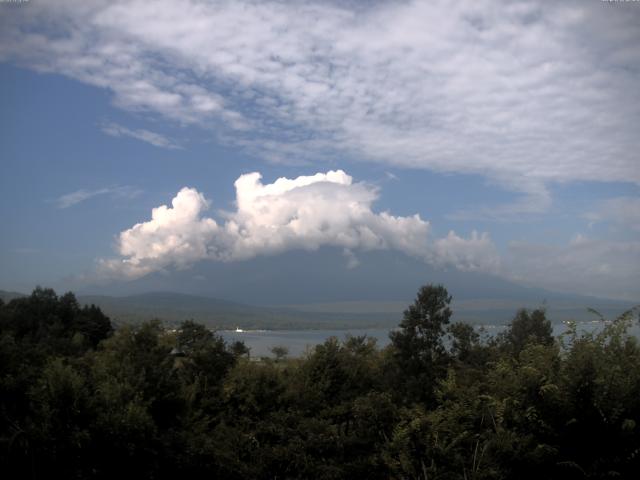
322	276
301	290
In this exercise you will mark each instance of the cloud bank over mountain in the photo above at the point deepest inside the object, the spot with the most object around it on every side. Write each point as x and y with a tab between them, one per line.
307	212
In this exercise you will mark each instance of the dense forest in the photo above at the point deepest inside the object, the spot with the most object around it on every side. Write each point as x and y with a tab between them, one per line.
80	399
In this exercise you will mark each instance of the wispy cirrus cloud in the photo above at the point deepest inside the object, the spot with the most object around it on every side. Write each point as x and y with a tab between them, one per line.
153	138
74	198
534	198
523	93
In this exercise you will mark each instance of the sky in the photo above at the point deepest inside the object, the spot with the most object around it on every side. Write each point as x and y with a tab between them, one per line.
194	145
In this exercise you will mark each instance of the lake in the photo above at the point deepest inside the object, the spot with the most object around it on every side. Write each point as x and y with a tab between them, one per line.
298	341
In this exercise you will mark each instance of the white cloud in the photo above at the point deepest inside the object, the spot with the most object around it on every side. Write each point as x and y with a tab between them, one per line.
474	254
175	235
524	93
585	266
73	198
535	199
307	212
623	211
352	260
155	139
69	199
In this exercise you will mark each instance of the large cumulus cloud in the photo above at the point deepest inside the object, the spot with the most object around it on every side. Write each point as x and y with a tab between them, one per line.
307	212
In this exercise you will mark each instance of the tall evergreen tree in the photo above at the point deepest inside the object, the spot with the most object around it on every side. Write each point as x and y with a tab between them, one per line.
418	349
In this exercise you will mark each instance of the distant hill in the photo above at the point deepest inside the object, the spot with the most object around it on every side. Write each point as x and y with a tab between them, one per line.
8	296
223	314
220	314
485	311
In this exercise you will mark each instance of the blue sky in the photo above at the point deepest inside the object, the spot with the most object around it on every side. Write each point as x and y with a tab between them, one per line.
509	129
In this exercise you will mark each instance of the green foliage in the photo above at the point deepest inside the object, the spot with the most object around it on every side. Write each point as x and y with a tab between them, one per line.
79	400
527	327
280	352
419	356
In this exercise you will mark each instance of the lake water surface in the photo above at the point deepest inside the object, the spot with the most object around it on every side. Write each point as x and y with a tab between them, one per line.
298	341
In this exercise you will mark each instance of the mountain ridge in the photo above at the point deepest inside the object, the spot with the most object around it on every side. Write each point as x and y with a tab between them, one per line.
173	307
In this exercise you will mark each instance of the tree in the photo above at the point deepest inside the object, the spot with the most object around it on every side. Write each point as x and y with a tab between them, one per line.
463	340
528	327
417	348
92	324
239	349
280	352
